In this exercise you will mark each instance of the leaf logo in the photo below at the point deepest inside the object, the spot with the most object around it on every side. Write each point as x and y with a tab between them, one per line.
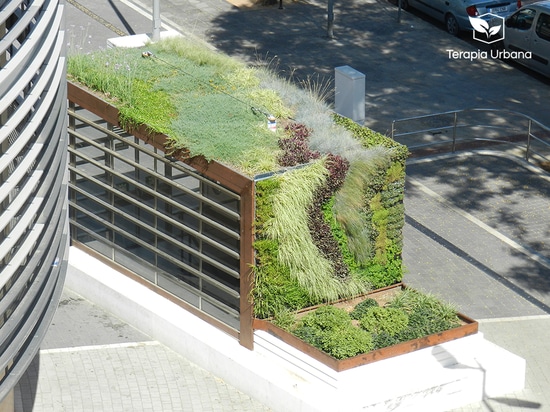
481	26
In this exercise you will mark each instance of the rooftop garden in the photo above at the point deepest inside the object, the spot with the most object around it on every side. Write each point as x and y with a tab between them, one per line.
329	192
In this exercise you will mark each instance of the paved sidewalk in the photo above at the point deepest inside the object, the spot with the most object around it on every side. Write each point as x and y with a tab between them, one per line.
91	361
475	234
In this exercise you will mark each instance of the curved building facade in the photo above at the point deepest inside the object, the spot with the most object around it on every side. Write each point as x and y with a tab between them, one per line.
33	181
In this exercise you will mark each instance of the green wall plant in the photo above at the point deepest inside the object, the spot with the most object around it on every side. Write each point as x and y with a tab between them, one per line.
288	225
373	222
330	329
275	291
384	320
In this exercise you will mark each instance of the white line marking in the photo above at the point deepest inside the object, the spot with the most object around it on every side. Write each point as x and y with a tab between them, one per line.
514	319
148	13
101	347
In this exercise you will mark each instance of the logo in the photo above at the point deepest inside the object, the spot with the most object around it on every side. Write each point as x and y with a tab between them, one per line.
488	30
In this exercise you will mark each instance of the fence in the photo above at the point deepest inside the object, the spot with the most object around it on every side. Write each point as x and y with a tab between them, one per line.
459	128
183	227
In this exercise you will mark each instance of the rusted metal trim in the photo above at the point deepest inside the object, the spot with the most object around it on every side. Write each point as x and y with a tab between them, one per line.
469	327
246	337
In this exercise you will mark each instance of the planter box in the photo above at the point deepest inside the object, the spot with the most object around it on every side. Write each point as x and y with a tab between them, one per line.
468	327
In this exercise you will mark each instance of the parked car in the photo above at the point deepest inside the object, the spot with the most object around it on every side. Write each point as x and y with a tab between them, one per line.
527	37
456	13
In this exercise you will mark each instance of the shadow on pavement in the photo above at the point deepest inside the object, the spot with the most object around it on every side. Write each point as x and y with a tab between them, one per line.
518	403
407	67
500	192
25	390
533	279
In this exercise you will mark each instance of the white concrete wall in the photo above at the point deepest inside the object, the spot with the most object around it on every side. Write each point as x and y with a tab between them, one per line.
435	379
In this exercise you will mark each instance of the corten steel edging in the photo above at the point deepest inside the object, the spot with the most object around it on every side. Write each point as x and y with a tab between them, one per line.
225	176
246	337
469	327
371	294
373	356
211	169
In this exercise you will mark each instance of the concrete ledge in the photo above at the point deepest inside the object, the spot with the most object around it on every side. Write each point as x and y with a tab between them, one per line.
137	40
443	377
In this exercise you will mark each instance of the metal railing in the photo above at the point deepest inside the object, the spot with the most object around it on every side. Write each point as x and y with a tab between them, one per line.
460	127
185	233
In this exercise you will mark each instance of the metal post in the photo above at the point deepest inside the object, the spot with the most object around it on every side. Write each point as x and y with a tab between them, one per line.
399	11
454	131
330	19
528	141
156	20
246	313
393	129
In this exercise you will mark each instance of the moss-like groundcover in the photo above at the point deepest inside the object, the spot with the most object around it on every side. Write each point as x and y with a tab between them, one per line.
329	216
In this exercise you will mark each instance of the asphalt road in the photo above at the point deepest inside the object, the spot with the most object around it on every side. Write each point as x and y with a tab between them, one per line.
407	65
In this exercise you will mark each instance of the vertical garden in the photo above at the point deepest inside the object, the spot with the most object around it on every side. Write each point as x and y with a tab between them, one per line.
330	226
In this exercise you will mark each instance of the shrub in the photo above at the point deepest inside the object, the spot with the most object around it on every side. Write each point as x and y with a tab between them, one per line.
327	318
407	316
427	314
298	130
389	320
384	339
412	300
362	308
330	330
311	335
346	342
284	319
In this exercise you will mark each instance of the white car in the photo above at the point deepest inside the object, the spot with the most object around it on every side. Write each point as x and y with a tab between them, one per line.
527	36
456	13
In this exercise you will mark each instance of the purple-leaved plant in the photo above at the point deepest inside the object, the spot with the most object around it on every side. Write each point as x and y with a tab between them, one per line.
319	229
295	147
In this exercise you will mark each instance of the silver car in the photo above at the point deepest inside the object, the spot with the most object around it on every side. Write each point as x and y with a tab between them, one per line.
456	13
527	38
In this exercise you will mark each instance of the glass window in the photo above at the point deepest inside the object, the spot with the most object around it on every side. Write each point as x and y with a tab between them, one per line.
522	20
543	26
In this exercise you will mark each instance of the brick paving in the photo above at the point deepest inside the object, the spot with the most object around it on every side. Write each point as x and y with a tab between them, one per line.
91	361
